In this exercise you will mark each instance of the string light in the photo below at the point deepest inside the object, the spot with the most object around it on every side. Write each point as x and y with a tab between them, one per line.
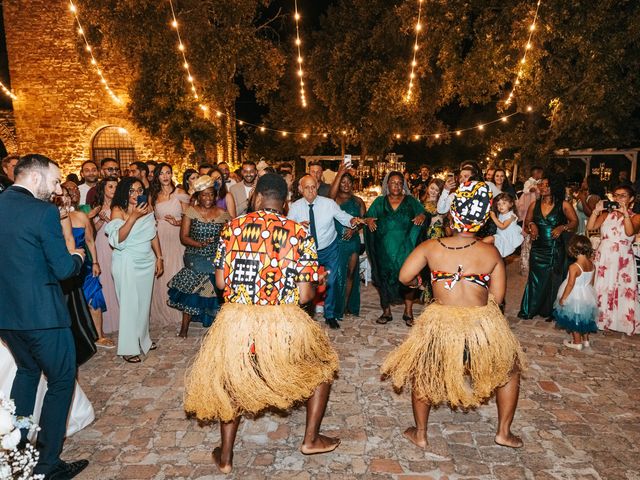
299	59
528	46
414	62
185	64
74	10
8	92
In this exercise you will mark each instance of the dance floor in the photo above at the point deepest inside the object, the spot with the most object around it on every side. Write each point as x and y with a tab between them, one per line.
578	415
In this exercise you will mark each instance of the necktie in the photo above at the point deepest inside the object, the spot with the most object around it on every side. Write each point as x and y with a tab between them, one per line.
312	225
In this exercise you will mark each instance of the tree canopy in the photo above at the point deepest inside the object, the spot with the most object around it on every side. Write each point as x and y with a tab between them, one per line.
581	77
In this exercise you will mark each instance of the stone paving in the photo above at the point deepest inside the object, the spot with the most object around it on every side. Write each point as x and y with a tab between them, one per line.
578	415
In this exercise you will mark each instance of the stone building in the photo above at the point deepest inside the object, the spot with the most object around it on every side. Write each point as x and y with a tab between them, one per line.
62	110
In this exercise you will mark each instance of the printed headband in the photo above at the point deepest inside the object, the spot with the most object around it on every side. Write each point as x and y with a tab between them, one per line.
471	206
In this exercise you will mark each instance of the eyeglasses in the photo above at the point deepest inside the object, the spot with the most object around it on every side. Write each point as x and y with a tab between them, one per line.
139	191
112	169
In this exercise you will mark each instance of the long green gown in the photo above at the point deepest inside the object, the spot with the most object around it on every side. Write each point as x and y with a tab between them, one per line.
133	268
547	264
346	248
388	247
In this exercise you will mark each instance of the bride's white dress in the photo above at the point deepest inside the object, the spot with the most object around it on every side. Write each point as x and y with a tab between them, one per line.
81	410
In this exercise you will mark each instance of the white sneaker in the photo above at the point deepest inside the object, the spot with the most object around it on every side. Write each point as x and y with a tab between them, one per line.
319	309
586	344
575	346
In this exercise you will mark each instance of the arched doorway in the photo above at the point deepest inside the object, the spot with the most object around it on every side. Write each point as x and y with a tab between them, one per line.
113	142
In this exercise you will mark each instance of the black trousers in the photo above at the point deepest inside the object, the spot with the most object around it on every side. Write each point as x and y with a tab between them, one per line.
52	352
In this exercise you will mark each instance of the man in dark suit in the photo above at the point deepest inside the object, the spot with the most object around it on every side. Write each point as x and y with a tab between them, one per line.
34	320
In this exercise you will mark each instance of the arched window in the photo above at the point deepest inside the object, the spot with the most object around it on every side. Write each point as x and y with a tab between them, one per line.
114	142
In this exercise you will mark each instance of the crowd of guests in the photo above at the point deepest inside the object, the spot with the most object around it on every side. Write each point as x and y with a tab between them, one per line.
151	240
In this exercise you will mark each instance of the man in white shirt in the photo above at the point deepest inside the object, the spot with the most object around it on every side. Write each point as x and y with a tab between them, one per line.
89	174
241	192
318	214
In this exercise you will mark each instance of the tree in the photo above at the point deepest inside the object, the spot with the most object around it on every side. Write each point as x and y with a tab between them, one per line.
224	40
581	77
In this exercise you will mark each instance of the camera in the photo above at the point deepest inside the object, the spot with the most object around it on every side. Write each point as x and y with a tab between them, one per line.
609	205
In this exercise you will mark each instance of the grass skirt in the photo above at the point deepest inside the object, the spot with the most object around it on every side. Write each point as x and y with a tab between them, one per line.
256	357
458	355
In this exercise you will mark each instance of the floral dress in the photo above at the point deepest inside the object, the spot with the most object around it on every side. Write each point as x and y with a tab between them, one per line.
616	282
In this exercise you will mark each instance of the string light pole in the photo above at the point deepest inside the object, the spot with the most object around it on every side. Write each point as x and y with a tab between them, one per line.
528	46
74	10
298	42
414	63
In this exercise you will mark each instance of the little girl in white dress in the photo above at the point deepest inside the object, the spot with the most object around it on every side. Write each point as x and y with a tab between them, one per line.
508	235
576	307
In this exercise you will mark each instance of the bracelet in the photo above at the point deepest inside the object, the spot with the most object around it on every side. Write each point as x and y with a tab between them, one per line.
95	263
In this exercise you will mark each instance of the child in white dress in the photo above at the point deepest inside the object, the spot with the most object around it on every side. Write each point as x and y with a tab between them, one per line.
576	307
508	236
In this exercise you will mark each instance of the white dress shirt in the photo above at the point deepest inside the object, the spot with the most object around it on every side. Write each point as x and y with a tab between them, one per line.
325	211
84	189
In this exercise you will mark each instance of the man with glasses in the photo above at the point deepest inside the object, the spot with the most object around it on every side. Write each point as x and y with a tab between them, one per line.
242	191
318	213
109	167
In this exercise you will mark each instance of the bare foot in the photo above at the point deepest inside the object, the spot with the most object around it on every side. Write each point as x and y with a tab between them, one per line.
322	444
217	458
181	335
414	436
510	441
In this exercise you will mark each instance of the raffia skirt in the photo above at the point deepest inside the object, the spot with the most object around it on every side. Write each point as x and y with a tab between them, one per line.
257	357
458	355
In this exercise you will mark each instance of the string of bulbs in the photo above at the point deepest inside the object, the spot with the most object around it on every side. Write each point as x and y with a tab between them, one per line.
74	10
298	42
528	46
305	135
8	92
181	49
414	63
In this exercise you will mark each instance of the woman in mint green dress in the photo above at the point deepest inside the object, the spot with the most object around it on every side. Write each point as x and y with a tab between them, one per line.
348	278
136	258
395	223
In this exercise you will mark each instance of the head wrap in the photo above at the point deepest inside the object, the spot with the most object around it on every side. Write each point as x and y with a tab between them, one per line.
471	206
202	183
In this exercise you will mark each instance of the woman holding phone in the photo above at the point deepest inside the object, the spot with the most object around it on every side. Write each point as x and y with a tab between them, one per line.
132	234
615	281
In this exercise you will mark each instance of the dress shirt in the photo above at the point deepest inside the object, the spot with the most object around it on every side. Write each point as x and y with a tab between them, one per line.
84	189
325	211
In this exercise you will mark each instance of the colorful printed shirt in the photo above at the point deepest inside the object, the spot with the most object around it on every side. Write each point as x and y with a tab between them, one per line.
263	255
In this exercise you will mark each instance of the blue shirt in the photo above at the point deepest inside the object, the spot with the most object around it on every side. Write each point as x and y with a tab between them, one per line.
325	211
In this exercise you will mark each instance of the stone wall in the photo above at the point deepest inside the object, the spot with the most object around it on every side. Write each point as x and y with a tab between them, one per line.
61	103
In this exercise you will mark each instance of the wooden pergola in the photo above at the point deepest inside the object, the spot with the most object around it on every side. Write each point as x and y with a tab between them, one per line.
586	154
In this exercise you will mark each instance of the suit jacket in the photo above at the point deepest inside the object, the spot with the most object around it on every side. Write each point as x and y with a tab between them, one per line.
33	260
240	198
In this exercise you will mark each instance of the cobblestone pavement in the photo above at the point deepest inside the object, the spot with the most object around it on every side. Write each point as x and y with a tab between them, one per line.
578	415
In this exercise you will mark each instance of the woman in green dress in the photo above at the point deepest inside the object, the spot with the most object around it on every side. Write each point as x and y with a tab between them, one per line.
395	222
547	219
348	278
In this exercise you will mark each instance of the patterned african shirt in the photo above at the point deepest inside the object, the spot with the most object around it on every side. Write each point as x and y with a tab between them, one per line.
263	255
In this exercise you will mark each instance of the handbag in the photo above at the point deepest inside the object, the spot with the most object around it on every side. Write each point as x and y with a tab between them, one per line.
82	327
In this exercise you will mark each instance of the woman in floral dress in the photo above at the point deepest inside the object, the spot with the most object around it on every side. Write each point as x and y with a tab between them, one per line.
616	282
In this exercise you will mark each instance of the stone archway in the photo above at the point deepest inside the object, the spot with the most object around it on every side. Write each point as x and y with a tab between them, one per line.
139	141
